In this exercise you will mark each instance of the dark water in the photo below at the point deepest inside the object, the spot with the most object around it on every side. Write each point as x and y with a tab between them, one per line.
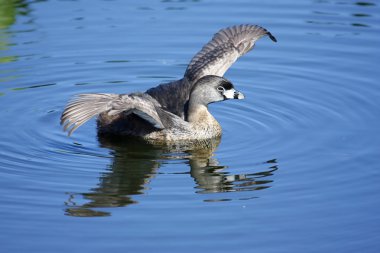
297	169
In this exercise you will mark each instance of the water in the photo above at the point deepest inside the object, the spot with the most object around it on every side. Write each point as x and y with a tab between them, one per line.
297	169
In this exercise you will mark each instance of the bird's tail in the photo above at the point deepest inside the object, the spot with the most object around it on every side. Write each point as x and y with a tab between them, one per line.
83	107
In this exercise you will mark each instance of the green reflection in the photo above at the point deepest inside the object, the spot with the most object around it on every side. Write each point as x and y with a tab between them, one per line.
7	18
7	13
9	9
136	163
6	59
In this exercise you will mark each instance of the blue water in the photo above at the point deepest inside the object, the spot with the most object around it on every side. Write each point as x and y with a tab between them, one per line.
297	169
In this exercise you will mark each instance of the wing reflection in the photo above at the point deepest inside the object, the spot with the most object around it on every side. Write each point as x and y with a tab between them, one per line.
135	163
212	179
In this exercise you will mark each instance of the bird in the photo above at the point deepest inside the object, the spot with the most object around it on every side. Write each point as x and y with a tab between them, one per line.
173	111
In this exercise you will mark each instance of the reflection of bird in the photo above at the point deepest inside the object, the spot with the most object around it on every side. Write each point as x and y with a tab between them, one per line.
136	163
176	110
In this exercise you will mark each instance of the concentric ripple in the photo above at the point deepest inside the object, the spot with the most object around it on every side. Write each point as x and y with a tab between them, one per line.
297	163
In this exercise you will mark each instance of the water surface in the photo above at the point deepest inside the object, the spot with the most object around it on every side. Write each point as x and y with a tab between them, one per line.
296	170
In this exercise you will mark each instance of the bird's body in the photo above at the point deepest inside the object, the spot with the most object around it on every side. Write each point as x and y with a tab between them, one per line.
176	110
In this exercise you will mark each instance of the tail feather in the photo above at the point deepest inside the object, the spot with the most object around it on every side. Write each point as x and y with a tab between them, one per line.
84	107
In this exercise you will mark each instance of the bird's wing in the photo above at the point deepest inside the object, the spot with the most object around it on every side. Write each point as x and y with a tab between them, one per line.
224	49
85	106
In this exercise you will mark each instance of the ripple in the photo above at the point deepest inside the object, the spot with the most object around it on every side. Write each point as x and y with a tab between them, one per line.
42	148
304	139
33	86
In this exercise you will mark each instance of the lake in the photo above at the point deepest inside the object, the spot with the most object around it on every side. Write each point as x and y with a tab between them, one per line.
296	170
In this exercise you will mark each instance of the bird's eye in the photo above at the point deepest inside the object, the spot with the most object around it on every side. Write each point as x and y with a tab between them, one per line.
221	89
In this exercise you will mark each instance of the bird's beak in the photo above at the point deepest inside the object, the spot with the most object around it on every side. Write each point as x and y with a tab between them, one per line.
238	95
233	94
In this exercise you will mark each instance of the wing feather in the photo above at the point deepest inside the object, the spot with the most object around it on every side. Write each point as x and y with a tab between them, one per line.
224	49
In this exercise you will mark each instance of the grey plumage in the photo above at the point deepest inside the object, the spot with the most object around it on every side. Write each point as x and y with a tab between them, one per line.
224	49
85	106
163	112
214	58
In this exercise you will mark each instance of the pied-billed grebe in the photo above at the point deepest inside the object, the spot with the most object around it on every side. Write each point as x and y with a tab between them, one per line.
176	110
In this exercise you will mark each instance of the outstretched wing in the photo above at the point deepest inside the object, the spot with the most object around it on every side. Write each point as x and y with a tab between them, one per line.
224	49
85	106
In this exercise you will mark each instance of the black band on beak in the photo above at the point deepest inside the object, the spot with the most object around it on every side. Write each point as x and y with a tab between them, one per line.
238	95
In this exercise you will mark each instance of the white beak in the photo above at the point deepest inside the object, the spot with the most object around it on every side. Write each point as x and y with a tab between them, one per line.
233	94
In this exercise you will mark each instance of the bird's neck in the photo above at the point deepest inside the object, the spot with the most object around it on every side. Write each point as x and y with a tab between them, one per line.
202	121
